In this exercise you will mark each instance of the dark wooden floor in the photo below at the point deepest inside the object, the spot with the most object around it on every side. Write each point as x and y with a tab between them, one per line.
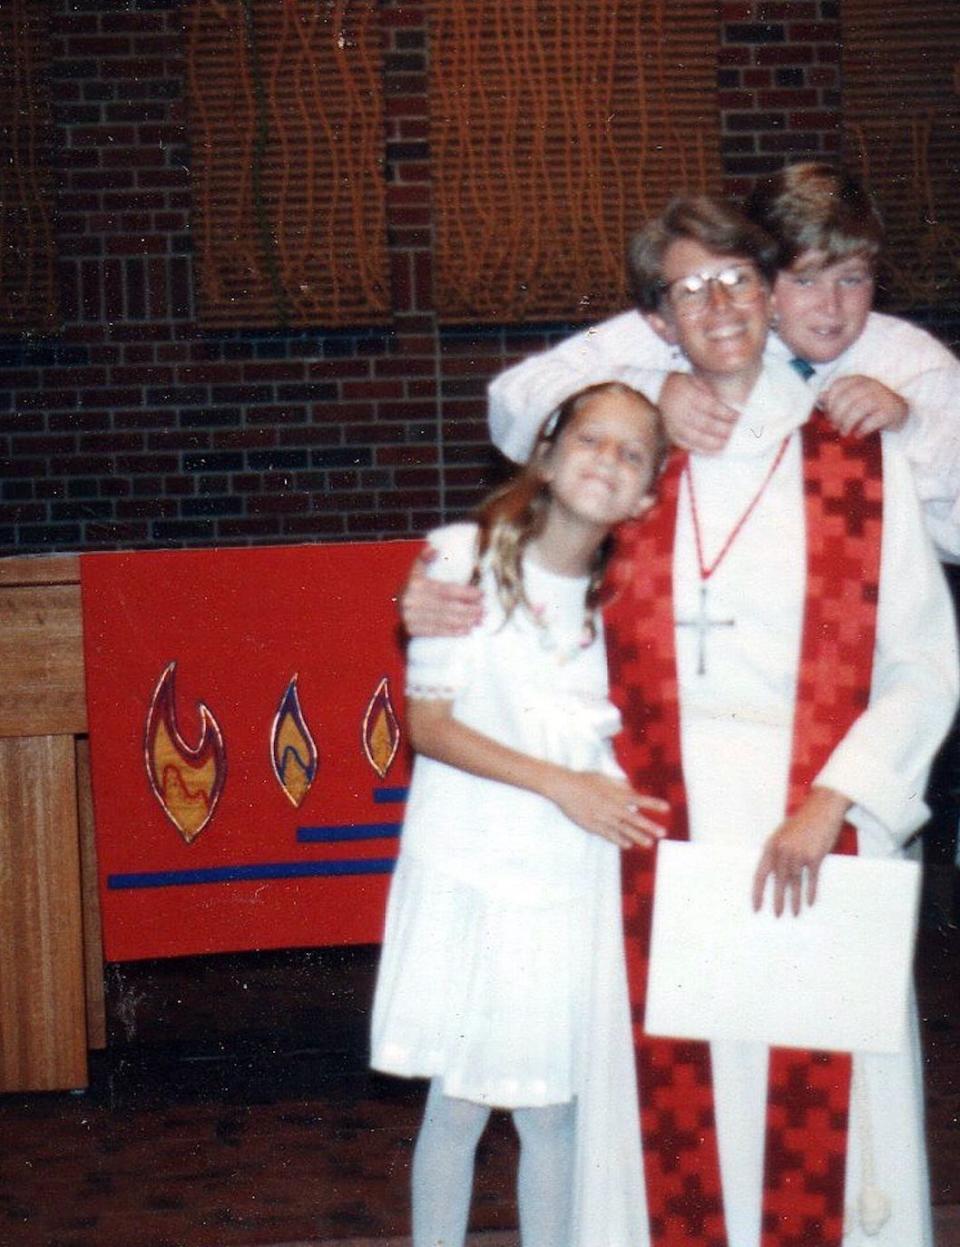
233	1107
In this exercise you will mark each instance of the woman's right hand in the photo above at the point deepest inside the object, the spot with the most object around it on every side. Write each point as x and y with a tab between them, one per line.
436	607
608	807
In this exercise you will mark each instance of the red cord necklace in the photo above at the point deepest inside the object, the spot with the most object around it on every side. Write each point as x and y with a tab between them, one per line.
703	622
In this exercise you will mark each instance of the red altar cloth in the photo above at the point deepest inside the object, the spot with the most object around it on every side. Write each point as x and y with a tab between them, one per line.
201	845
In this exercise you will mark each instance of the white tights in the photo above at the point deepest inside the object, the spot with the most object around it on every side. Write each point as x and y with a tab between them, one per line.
443	1170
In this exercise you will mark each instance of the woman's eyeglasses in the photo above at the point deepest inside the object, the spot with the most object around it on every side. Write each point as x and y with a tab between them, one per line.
690	295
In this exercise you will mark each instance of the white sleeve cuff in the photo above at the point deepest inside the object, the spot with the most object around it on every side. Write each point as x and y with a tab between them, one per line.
867	783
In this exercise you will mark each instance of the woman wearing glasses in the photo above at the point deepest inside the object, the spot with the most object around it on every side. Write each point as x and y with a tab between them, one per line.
782	650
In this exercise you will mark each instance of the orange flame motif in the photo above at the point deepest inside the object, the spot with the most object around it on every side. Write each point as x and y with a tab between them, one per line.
187	782
381	731
292	750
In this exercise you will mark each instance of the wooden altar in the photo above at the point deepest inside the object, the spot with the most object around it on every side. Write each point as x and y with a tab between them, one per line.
310	869
51	965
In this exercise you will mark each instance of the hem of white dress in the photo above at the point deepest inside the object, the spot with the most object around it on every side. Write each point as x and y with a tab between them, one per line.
508	1093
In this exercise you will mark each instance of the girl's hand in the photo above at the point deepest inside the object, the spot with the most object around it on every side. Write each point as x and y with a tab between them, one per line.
694	419
799	844
436	607
607	807
862	405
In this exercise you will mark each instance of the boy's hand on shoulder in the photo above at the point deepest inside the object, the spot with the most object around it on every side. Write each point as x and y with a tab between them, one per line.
859	406
693	417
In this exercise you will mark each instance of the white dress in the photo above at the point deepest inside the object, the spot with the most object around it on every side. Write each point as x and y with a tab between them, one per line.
736	733
496	897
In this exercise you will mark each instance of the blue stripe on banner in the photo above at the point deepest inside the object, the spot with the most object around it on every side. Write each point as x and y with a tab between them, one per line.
386	796
348	831
242	874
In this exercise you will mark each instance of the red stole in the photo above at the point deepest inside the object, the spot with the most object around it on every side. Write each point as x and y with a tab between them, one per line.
808	1095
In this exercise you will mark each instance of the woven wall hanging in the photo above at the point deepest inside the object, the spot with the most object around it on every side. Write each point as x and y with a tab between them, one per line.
901	109
28	287
287	148
557	127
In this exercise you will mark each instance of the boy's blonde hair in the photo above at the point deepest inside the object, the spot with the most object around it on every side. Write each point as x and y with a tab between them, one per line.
813	206
513	515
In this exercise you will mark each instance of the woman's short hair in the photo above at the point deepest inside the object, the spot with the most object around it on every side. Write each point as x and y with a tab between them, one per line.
812	206
716	225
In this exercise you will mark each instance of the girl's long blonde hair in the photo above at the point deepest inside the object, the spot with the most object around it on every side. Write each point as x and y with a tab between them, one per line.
513	515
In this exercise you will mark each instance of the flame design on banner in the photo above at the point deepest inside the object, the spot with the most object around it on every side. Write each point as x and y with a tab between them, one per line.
187	782
292	749
381	730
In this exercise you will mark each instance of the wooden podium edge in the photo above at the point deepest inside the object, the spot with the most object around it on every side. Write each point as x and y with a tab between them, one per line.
42	697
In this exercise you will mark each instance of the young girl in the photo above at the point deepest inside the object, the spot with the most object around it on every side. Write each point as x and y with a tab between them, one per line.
514	820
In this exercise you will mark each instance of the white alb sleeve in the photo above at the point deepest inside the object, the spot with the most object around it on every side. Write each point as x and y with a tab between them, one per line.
623	348
931	441
883	761
439	667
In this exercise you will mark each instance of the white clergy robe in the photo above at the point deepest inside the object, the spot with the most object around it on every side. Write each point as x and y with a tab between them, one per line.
736	734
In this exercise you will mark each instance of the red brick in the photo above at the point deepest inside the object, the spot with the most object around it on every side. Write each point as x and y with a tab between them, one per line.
407	410
331	369
381	433
784	97
405	366
789	54
98	533
406	106
226	439
83	45
98	136
406	455
787	10
403	16
814	121
278	504
142	375
312	526
372	389
813	32
422	389
735	99
158	301
797	143
275	370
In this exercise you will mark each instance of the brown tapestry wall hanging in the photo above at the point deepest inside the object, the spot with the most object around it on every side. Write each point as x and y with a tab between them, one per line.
901	108
557	127
286	132
28	291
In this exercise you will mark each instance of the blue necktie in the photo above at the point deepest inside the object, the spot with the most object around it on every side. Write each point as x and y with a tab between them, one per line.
802	367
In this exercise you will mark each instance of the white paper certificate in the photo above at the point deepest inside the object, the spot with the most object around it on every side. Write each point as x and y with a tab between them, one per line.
836	977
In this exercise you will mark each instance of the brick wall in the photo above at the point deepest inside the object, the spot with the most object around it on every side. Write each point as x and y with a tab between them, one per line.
132	428
778	85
